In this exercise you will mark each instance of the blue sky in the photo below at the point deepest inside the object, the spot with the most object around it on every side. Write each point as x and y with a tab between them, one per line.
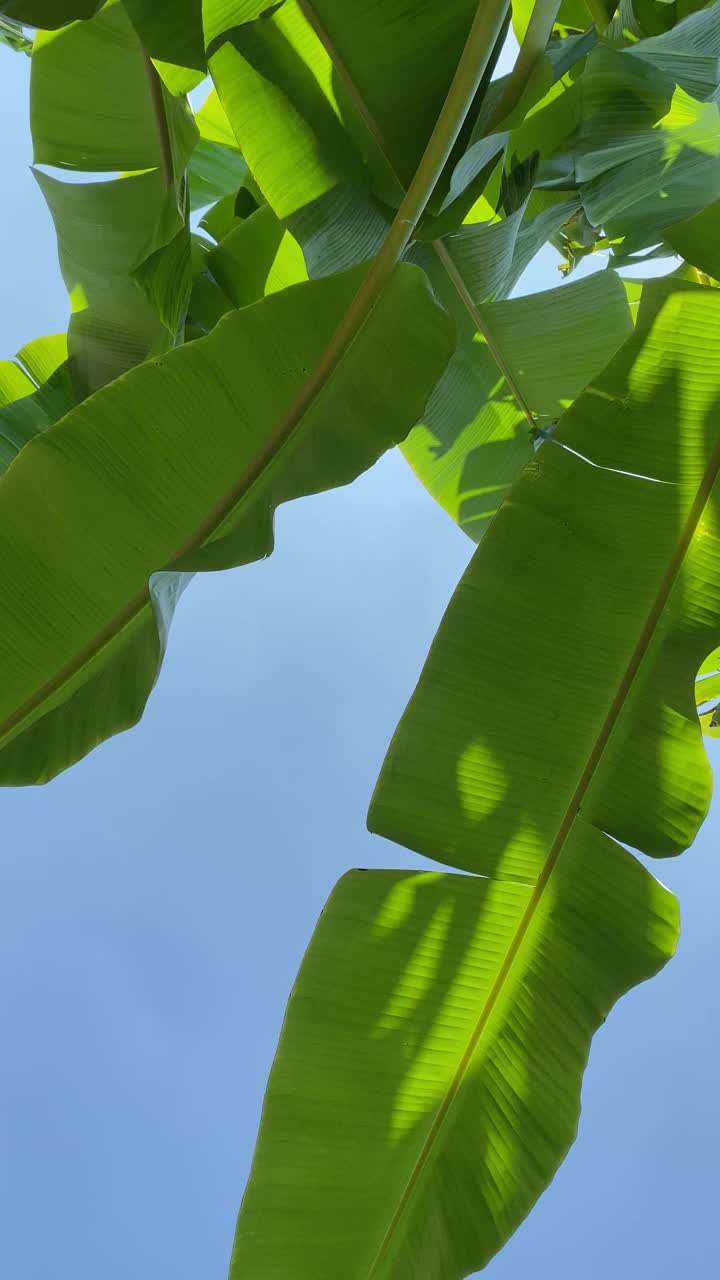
155	901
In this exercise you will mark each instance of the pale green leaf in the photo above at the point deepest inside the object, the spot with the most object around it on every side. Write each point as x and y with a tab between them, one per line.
647	154
517	366
426	1085
614	565
171	33
257	258
96	104
90	102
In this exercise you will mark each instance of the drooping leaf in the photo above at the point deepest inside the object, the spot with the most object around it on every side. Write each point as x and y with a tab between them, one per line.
647	154
689	53
610	570
90	107
94	106
426	1086
107	232
237	428
518	364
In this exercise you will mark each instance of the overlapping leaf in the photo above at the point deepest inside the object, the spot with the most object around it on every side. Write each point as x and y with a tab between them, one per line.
648	149
35	390
471	1074
615	739
171	33
518	364
309	106
112	235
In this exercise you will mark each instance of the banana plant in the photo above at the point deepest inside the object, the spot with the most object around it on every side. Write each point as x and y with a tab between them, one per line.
324	260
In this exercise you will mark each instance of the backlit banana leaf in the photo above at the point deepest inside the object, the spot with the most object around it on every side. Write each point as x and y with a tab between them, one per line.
35	390
171	33
90	104
620	546
647	153
450	1086
518	364
427	1080
97	105
292	83
256	258
241	421
386	79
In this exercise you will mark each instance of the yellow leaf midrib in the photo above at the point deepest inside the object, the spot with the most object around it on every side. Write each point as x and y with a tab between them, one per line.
572	811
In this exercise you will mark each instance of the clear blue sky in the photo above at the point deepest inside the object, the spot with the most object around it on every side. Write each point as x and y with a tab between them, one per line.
155	902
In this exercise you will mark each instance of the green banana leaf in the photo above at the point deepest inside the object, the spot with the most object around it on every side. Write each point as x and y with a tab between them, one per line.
294	135
647	153
35	390
242	420
171	33
517	366
457	1064
620	545
257	258
213	125
89	103
426	1085
208	303
214	172
688	53
336	66
123	244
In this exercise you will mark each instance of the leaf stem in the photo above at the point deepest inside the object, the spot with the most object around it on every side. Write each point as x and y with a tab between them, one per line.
476	54
473	61
158	108
531	51
482	327
466	81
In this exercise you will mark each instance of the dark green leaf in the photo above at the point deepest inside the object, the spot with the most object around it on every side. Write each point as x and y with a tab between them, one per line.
99	505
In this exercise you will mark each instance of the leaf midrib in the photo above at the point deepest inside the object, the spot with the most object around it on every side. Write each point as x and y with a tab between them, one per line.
710	477
446	260
475	55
